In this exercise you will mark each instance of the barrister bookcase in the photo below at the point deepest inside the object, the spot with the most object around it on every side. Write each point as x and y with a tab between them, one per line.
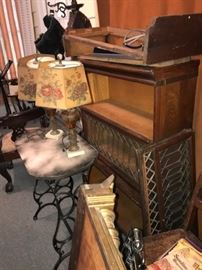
140	121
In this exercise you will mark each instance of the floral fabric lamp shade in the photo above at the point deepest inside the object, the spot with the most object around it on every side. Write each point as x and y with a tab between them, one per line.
62	86
27	75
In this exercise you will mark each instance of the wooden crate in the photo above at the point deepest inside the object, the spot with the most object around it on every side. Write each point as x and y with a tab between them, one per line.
167	38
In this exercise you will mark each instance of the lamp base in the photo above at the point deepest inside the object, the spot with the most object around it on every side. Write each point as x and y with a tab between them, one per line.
77	153
54	136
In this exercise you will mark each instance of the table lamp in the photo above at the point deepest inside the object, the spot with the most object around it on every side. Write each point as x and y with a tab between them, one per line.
27	75
27	83
63	85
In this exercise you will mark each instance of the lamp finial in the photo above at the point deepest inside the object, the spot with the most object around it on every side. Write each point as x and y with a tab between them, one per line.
60	64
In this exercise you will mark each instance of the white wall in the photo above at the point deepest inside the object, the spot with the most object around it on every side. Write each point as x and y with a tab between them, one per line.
90	9
40	9
33	12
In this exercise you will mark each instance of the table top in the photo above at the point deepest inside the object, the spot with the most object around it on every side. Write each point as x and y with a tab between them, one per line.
46	158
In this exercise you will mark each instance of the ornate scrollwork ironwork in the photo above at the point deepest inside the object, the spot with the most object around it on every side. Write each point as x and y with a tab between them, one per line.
62	7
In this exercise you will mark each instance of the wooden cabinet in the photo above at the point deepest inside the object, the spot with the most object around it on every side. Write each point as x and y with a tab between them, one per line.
140	121
151	103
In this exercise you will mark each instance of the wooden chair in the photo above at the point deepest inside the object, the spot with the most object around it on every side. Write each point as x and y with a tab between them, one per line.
17	114
9	93
16	123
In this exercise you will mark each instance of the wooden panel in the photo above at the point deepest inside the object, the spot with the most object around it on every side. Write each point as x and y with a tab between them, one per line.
73	48
84	41
125	200
135	95
96	241
123	92
173	37
90	256
174	108
96	176
130	218
133	122
156	245
150	75
99	86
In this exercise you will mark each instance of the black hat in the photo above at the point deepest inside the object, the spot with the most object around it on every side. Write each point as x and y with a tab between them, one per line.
74	5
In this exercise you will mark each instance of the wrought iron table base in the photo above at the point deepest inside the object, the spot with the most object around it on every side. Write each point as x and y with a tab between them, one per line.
62	189
4	166
45	160
38	197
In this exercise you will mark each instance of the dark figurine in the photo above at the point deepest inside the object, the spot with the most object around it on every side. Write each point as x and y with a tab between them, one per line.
76	18
51	41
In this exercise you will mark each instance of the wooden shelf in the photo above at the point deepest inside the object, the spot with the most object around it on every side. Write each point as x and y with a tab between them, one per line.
140	123
134	123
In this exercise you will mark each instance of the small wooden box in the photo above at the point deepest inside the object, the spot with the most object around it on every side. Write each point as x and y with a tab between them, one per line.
167	38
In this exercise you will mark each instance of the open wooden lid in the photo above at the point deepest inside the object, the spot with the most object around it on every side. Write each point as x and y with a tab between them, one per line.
173	37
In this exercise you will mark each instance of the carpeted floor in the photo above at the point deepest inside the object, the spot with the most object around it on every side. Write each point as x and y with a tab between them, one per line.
25	244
